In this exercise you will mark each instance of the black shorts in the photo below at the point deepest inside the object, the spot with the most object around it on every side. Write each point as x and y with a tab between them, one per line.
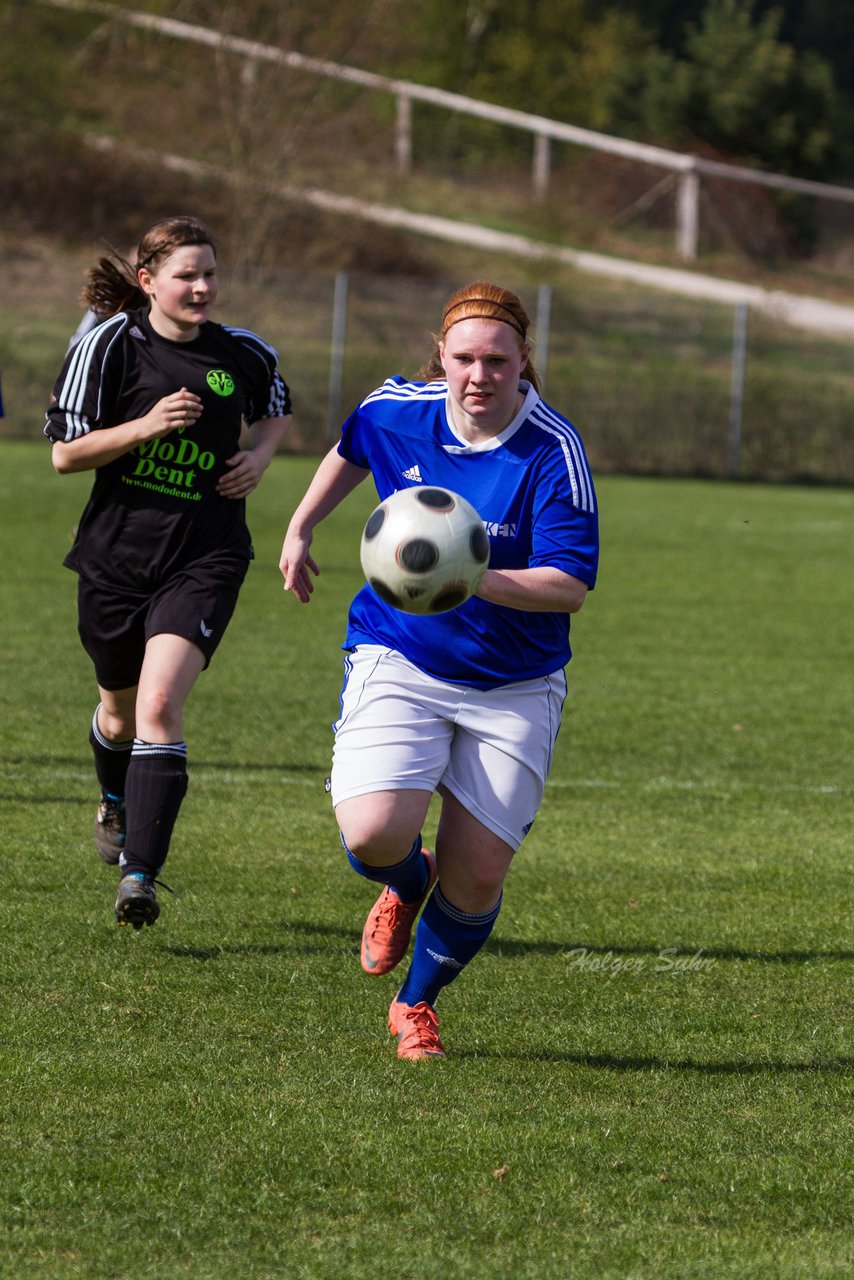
115	627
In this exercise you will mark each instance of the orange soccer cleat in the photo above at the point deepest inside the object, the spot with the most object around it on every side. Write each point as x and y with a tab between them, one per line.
388	928
417	1029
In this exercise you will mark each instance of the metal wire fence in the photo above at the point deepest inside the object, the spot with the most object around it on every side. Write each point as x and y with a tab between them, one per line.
656	384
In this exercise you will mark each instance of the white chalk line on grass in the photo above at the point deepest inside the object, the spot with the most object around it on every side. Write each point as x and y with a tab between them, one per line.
45	779
695	784
42	781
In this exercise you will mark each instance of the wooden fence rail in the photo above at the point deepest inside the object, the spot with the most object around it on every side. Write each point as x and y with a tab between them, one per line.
688	169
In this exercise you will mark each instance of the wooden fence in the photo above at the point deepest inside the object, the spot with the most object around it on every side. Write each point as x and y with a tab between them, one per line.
686	170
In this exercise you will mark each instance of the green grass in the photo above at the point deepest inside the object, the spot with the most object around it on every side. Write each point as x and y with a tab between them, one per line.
218	1097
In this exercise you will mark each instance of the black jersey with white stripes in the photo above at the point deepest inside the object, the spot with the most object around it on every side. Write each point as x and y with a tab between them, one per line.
156	509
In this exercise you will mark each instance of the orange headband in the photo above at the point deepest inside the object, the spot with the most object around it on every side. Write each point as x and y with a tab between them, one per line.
513	322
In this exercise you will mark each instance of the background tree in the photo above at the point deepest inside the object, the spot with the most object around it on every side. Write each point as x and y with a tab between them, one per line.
554	58
739	89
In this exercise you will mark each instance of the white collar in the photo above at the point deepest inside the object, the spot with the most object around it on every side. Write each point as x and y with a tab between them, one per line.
493	442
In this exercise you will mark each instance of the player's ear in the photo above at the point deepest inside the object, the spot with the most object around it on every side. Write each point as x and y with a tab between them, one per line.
146	281
526	353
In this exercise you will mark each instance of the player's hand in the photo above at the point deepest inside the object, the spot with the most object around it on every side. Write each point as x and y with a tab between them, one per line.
243	475
173	413
297	565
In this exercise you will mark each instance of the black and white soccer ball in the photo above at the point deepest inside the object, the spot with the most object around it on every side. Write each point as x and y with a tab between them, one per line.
424	550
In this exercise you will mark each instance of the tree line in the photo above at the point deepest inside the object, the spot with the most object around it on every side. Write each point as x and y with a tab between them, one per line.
763	84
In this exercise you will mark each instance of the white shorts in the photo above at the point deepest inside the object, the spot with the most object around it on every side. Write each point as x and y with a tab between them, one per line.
402	729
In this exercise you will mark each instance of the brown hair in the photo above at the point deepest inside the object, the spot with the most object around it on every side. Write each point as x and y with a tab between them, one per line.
481	300
112	285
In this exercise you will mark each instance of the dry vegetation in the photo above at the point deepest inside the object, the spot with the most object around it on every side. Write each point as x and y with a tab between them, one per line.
260	126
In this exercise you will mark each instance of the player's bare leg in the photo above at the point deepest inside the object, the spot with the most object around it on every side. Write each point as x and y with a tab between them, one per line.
382	835
377	827
472	860
455	923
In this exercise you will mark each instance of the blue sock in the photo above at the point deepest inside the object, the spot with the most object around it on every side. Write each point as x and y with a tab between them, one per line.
446	939
408	878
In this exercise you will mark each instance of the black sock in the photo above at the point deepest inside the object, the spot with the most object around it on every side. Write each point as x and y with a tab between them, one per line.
156	784
111	759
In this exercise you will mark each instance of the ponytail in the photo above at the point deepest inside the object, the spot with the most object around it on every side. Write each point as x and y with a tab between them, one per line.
112	286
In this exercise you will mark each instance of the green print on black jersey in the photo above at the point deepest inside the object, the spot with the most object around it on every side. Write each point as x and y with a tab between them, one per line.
220	382
170	467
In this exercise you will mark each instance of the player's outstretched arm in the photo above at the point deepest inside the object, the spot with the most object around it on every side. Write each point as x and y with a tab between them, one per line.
333	480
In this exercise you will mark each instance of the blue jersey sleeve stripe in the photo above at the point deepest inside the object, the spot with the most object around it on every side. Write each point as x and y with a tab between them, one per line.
573	451
588	501
391	389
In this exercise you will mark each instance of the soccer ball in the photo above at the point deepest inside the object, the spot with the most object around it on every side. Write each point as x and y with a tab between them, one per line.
424	550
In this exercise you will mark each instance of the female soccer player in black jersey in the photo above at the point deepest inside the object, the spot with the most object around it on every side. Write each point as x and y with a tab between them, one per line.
153	400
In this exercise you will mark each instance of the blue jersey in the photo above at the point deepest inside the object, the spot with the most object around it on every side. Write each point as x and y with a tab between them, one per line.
532	488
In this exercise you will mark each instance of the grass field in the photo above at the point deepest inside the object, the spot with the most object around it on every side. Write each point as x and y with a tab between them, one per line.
649	1069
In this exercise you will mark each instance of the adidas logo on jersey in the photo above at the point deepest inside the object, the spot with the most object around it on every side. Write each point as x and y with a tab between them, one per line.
413	473
136	332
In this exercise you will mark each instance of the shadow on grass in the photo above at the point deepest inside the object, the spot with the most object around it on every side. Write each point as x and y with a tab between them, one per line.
82	761
517	947
29	799
503	947
508	947
254	766
613	1062
348	937
181	952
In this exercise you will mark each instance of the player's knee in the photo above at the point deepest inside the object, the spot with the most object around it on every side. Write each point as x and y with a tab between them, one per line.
485	882
363	842
159	715
473	878
117	720
375	844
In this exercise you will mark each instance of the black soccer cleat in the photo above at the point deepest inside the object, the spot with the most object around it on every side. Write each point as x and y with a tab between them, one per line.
136	900
110	827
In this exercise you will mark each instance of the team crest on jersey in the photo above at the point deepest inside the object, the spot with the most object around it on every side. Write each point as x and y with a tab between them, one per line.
220	382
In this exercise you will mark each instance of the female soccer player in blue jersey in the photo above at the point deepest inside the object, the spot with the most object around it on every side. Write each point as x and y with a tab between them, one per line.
465	703
153	399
